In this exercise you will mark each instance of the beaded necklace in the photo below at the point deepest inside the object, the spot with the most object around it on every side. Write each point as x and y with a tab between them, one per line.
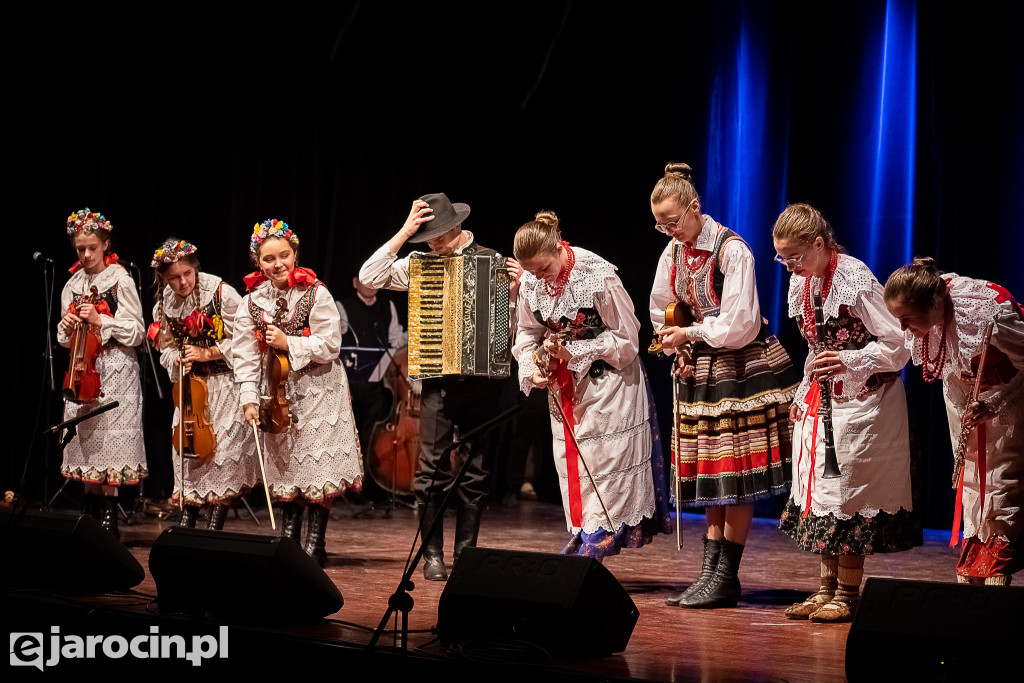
931	368
563	275
810	326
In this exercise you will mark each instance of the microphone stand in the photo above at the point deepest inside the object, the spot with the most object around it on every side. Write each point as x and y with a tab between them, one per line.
141	500
401	600
48	280
71	427
145	341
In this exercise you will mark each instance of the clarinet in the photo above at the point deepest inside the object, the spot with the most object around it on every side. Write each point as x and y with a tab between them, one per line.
825	386
965	432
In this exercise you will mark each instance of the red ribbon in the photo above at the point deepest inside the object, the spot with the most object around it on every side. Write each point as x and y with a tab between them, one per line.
298	276
110	259
301	276
958	508
566	394
812	401
153	332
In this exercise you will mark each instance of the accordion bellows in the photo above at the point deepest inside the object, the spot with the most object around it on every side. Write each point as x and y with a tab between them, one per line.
458	316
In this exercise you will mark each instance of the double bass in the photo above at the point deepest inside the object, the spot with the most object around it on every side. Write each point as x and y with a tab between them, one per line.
394	446
82	381
275	413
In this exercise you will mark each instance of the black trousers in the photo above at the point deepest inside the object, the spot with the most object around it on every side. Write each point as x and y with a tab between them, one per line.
448	405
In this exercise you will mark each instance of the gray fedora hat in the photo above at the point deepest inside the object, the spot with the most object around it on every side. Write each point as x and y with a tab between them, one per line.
446	216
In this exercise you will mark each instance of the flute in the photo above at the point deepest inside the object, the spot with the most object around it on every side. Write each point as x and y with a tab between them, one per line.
965	431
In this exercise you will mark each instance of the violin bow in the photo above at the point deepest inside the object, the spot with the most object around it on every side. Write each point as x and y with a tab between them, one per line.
675	451
557	394
181	430
579	454
263	472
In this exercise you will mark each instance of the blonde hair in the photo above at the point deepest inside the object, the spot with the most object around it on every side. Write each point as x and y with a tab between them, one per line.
916	284
539	236
677	183
802	223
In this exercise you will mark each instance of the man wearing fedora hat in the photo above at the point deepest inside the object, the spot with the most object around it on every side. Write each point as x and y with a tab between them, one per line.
450	405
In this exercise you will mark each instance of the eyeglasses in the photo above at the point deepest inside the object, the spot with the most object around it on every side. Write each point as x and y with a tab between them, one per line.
789	262
665	227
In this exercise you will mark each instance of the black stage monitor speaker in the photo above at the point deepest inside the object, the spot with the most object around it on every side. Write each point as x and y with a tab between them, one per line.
570	606
239	576
66	552
929	631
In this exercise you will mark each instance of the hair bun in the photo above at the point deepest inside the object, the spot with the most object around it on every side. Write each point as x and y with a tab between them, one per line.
682	169
548	218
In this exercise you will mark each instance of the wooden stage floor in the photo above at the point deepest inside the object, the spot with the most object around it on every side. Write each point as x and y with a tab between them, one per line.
753	641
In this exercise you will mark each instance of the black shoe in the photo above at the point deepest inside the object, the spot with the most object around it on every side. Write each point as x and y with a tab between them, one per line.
723	589
467	527
315	541
188	516
218	515
712	551
291	521
109	518
433	547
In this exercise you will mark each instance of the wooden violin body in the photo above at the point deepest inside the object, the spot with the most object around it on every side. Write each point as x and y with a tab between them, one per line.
82	381
676	315
394	446
194	432
275	413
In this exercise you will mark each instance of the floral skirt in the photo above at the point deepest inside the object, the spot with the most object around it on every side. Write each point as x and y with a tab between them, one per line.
859	535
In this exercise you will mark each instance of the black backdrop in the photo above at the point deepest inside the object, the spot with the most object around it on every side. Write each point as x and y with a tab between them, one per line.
200	123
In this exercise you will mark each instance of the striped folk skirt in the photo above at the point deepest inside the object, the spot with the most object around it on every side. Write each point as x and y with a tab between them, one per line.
733	440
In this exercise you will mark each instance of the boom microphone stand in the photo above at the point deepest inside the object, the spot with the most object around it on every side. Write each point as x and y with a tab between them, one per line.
401	600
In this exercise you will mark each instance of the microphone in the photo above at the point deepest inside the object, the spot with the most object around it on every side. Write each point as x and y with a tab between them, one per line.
40	256
127	263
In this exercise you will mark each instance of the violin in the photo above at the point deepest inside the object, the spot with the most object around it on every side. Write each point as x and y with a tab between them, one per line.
275	414
542	357
193	435
81	381
677	314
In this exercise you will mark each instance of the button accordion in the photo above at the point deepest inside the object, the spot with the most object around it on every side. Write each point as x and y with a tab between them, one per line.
459	316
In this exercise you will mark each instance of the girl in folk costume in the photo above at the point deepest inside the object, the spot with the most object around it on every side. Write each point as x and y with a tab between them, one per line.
866	509
315	459
194	322
946	319
732	434
108	450
573	307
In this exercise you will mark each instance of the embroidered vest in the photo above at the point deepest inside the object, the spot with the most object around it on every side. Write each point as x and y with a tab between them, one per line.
848	333
110	298
181	336
701	287
297	324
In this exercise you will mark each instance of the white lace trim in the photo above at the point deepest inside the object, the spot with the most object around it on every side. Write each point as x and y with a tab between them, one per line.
181	307
731	405
81	281
265	296
851	280
586	278
974	306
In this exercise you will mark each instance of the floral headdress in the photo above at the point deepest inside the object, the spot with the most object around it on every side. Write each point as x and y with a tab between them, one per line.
85	221
171	251
272	227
